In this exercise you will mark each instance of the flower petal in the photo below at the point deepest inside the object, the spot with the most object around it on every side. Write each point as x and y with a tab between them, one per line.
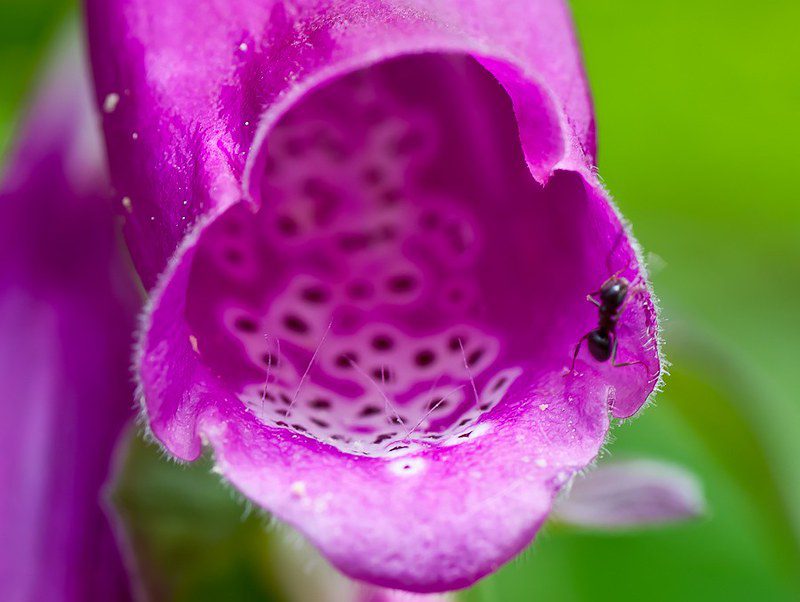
633	494
377	224
65	315
303	575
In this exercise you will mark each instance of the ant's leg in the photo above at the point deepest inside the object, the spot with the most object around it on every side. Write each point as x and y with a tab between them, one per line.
592	299
623	364
631	294
575	354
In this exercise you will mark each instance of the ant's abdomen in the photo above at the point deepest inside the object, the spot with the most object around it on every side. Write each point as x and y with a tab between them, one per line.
599	343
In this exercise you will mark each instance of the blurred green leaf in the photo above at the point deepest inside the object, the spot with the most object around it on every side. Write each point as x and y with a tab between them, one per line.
26	27
188	532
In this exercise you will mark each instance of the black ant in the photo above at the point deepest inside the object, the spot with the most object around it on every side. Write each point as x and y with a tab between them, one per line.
602	341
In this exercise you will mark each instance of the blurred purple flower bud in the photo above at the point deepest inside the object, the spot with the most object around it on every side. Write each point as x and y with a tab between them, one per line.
66	314
632	494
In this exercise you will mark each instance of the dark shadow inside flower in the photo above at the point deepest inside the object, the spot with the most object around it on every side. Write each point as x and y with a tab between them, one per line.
405	268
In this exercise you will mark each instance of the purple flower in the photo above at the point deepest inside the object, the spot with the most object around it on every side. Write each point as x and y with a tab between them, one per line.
369	229
66	310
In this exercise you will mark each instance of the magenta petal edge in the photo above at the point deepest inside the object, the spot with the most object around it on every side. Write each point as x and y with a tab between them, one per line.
379	227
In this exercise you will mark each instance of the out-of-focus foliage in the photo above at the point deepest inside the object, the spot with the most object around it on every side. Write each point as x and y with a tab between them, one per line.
697	108
193	540
26	28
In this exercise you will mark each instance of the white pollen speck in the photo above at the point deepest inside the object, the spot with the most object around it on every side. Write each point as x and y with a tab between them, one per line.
243	47
544	406
152	218
185	202
110	103
183	218
246	123
135	136
126	202
298	489
193	343
540	462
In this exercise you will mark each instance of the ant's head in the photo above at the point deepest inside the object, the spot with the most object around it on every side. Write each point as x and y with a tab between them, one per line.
613	291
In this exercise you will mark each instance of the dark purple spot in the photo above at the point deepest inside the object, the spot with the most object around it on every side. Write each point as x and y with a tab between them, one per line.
337	437
269	360
285	399
465	421
233	256
391	196
320	423
245	324
282	411
402	283
373	175
320	404
346	360
465	435
382	438
455	343
281	423
474	357
299	427
314	294
500	382
430	220
287	225
369	411
396	420
437	404
485	406
382	374
294	147
396	447
424	358
382	342
295	324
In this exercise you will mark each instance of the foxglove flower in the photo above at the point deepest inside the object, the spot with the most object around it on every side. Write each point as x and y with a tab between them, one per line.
369	229
66	309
